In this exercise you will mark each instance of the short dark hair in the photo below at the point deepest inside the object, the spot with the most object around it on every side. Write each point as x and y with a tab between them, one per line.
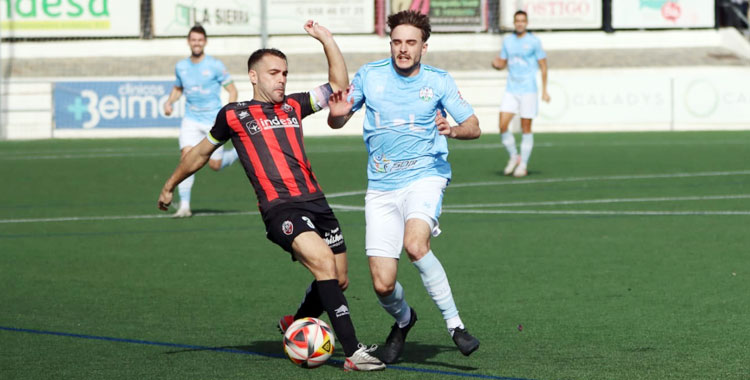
197	28
260	53
519	12
412	18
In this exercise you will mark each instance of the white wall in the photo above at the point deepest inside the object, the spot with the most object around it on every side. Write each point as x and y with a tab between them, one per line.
700	98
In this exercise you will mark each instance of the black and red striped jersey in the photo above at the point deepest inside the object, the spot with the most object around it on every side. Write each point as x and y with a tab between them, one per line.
268	139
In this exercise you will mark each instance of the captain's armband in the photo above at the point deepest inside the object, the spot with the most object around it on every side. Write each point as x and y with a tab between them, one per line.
319	97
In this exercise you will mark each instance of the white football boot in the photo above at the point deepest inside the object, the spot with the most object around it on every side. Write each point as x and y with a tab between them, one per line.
513	162
183	212
520	170
361	360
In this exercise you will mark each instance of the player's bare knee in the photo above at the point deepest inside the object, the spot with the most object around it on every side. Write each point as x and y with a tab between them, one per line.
383	288
343	282
214	165
416	249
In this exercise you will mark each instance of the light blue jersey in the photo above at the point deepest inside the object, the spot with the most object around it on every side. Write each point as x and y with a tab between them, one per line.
201	83
523	55
399	129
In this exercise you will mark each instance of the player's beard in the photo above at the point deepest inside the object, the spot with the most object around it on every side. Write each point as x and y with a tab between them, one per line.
196	55
408	71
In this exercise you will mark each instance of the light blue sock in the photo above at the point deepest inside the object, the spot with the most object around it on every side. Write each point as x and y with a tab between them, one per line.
527	144
510	143
396	305
184	189
436	282
228	158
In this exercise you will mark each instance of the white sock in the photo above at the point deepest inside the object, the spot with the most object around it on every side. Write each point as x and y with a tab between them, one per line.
527	144
454	323
510	143
229	157
184	190
396	305
436	282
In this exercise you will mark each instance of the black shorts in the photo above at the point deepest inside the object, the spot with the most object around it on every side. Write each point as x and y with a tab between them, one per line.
285	221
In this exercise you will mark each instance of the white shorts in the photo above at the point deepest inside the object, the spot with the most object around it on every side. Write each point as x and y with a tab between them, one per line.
524	105
386	213
192	132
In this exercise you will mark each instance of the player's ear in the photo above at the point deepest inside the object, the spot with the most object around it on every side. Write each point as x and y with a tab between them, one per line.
253	77
424	48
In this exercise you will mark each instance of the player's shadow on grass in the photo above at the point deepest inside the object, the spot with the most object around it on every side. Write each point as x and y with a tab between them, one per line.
528	173
267	348
419	353
414	352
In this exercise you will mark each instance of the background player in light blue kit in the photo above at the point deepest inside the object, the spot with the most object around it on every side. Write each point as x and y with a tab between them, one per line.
523	55
200	77
405	132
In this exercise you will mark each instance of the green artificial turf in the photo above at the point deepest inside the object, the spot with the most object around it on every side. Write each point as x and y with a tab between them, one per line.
621	256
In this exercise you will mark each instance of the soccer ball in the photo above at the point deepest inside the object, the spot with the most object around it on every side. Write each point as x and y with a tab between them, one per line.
308	342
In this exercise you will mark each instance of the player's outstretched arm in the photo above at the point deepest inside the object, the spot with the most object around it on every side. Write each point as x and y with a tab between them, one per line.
499	63
339	108
467	130
338	76
195	159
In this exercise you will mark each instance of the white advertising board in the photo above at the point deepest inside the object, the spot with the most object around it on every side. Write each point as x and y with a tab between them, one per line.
69	18
554	14
604	98
631	14
242	17
713	98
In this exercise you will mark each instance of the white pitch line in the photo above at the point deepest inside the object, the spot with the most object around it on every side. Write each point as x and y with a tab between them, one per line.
140	152
118	217
593	212
597	201
602	178
360	192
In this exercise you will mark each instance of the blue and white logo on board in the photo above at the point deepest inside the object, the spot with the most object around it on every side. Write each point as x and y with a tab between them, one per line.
123	104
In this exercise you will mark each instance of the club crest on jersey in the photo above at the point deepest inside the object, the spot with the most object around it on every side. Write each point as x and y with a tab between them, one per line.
426	94
286	108
287	227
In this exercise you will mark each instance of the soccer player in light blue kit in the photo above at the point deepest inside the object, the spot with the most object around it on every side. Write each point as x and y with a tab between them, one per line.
405	132
522	54
200	77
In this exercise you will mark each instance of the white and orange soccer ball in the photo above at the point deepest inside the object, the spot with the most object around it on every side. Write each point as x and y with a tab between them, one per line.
308	342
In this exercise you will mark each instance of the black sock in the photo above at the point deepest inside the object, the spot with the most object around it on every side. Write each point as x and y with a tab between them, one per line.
311	305
335	304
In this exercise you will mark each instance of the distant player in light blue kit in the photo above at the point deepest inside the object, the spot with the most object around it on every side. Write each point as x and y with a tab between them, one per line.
200	77
523	55
405	132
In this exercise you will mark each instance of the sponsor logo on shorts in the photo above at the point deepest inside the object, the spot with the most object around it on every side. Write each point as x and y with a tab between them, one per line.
426	94
309	222
342	311
287	227
333	238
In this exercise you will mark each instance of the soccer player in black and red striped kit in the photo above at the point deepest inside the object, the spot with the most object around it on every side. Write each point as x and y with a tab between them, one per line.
267	134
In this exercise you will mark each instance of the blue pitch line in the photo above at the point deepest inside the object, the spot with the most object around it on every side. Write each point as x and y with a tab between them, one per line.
243	352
